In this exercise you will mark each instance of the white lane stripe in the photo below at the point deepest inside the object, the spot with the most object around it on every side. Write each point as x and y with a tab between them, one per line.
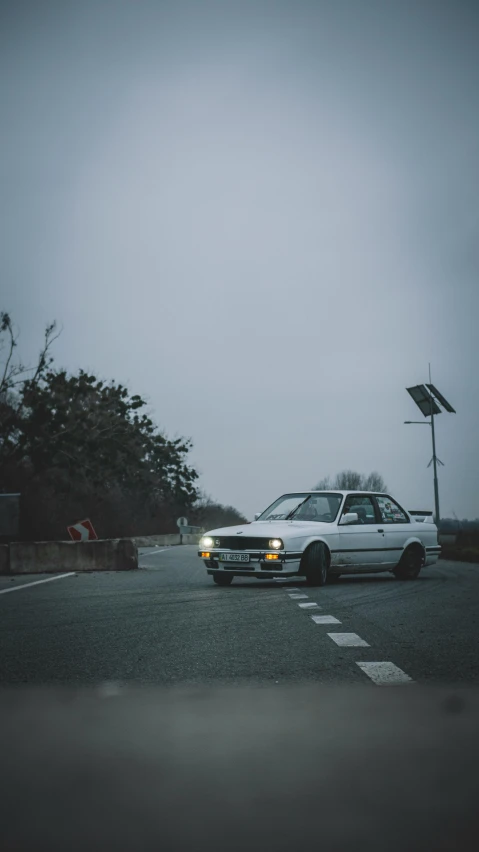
385	674
325	619
153	552
350	640
298	597
36	583
307	605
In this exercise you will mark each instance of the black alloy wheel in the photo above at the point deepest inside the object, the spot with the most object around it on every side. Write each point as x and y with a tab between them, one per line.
410	565
315	563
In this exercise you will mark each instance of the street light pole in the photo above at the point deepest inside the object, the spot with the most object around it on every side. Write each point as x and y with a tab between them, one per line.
434	459
426	398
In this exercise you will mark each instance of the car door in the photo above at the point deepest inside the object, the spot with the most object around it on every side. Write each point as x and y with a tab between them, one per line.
396	525
361	544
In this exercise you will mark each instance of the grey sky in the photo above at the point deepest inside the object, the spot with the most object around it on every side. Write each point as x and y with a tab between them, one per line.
262	216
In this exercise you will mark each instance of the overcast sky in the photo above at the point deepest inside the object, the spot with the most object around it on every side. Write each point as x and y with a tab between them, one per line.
264	217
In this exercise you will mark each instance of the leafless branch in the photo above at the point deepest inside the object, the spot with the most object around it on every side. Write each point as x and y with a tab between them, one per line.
49	339
6	325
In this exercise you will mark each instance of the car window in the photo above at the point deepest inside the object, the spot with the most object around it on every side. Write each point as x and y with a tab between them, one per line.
363	506
281	508
390	512
311	507
319	508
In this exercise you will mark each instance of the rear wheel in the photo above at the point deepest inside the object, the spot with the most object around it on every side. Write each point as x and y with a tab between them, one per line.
315	563
222	579
410	565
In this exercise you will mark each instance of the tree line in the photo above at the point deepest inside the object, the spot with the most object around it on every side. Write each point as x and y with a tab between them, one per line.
77	446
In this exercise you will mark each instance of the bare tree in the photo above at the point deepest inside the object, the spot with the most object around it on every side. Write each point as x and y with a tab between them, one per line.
374	482
15	374
324	484
351	480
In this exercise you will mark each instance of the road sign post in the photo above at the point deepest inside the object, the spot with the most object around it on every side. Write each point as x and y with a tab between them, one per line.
186	529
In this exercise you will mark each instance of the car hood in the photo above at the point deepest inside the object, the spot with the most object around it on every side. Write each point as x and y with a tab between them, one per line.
274	529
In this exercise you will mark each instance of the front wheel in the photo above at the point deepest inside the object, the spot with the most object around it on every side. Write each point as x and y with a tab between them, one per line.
222	579
409	566
316	564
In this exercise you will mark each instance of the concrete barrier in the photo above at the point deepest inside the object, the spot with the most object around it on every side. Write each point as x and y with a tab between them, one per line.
4	559
58	557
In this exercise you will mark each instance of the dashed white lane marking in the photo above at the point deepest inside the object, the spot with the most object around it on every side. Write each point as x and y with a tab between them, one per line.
36	583
298	597
307	605
350	640
325	619
385	674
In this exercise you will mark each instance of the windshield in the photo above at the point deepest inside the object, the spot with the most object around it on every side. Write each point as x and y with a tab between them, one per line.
304	507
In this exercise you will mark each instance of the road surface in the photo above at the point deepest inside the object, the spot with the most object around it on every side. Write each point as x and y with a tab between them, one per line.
176	748
168	624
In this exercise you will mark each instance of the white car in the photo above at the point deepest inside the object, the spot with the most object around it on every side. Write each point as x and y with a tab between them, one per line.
320	535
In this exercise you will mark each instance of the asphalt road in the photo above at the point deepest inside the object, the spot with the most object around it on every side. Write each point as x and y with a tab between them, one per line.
168	624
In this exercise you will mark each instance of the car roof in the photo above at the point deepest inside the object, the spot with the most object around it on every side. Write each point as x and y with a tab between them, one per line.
338	491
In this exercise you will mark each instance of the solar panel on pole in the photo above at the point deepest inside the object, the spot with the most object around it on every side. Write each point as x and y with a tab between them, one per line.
425	397
441	399
423	400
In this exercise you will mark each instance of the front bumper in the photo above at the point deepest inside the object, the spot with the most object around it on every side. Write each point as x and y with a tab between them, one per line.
261	575
287	564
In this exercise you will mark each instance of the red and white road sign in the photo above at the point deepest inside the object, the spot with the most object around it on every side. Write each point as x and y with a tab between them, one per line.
83	531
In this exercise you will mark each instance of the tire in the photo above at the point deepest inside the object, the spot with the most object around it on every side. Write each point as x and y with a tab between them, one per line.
222	579
315	563
410	565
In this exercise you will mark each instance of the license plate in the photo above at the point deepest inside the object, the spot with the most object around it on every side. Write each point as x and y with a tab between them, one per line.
234	557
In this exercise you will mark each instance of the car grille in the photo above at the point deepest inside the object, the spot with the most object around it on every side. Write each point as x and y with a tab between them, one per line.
239	542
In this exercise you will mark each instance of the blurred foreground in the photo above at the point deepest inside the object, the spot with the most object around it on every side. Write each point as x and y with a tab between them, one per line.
281	768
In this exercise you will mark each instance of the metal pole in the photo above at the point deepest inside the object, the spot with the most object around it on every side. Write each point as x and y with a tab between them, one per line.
434	462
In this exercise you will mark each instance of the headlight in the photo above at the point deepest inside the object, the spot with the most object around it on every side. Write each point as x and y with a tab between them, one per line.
206	541
276	543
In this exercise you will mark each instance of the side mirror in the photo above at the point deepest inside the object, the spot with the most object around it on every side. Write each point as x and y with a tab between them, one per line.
349	518
257	515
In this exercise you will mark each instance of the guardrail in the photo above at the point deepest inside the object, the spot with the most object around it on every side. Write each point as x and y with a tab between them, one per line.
446	538
166	540
464	546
